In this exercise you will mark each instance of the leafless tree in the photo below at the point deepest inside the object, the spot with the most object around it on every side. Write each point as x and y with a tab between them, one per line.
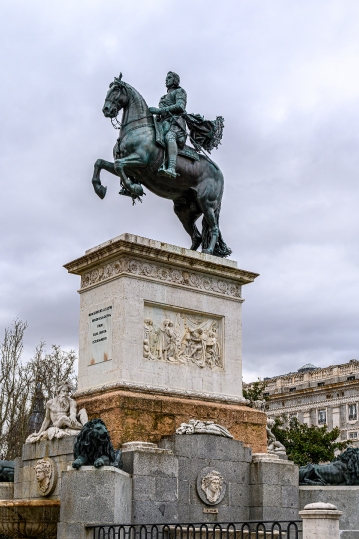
18	382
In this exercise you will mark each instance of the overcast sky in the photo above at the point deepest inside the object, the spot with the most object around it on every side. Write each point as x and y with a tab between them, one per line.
285	76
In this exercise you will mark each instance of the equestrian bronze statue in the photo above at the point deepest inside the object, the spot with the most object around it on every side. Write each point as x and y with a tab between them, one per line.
151	151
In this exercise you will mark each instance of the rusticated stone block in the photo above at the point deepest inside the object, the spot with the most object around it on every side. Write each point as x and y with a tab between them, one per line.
131	415
273	489
278	472
154	512
161	463
6	491
91	495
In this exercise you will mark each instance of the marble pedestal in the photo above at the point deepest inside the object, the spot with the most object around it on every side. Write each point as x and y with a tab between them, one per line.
160	337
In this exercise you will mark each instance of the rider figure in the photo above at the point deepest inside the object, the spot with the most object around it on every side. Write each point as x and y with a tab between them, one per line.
171	107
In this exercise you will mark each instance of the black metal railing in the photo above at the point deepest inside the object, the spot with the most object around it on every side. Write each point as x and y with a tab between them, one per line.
254	529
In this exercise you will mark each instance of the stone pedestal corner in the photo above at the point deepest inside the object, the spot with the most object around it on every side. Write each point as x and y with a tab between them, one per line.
93	496
320	520
274	488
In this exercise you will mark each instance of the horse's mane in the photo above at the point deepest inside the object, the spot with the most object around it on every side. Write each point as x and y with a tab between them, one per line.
118	84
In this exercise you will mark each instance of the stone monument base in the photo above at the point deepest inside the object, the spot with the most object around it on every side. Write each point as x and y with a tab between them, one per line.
93	496
185	478
131	415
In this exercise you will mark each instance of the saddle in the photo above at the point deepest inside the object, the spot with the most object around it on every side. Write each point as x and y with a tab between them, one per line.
187	151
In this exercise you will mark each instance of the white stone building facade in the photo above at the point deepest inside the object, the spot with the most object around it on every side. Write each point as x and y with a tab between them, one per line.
319	396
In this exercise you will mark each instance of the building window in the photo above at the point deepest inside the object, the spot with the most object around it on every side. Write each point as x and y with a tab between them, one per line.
322	417
320	384
353	435
352	412
292	389
350	378
265	394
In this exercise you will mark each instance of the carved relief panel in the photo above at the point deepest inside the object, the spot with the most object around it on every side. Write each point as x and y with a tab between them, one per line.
183	337
46	476
211	486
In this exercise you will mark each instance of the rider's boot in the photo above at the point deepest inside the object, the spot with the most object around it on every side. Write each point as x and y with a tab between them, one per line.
170	172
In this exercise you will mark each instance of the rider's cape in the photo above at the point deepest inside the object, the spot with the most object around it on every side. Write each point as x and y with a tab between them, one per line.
204	134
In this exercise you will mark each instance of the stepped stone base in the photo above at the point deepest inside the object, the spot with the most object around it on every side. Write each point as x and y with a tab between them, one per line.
131	416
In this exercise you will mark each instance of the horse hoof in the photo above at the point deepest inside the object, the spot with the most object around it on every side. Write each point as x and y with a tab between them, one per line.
196	243
137	190
101	191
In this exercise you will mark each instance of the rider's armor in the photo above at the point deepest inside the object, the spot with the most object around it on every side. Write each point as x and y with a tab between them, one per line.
173	104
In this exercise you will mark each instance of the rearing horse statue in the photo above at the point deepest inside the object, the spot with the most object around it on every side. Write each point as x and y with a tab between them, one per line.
138	154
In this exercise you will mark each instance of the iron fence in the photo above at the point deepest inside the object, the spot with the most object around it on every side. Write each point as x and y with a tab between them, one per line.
254	529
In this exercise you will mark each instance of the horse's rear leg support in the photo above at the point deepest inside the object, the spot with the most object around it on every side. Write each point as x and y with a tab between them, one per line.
210	217
188	215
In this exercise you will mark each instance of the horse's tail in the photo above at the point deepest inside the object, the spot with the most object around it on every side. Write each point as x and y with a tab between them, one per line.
220	249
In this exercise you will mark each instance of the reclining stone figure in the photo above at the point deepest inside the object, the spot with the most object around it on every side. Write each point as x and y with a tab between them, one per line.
61	417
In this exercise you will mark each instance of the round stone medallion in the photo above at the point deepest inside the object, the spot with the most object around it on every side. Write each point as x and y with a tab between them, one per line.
46	476
211	486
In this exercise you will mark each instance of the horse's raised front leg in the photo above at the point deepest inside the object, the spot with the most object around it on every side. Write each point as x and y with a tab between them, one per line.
100	164
133	160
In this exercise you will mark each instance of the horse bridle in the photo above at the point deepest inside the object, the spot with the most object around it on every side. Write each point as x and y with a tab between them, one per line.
116	124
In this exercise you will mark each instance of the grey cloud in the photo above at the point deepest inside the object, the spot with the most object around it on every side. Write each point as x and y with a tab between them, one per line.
283	75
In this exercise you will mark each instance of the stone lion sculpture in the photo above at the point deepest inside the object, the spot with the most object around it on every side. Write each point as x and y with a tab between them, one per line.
93	447
344	470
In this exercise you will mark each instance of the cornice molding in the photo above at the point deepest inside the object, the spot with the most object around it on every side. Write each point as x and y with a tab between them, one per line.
144	388
139	269
154	251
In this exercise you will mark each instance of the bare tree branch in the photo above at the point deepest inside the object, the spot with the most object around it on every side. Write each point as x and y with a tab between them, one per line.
18	383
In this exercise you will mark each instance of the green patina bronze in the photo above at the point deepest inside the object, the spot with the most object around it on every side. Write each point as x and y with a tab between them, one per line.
7	471
151	151
343	470
93	447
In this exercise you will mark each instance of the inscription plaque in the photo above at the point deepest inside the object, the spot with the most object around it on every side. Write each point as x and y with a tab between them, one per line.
100	334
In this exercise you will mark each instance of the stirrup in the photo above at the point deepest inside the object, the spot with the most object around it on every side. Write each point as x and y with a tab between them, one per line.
168	172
